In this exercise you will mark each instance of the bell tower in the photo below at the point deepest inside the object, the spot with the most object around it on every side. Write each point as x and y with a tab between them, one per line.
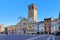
32	13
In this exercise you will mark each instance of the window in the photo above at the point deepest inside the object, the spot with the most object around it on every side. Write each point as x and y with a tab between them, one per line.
59	28
24	23
47	20
32	7
30	26
52	25
45	24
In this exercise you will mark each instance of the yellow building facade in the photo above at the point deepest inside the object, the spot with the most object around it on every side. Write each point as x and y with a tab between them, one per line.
1	28
11	29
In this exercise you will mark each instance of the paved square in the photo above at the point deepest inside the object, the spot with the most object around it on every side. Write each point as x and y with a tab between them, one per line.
28	37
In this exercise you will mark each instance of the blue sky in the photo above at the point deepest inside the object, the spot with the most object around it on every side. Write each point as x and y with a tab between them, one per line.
10	10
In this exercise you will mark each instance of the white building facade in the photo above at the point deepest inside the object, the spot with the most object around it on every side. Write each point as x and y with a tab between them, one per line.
54	26
39	27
